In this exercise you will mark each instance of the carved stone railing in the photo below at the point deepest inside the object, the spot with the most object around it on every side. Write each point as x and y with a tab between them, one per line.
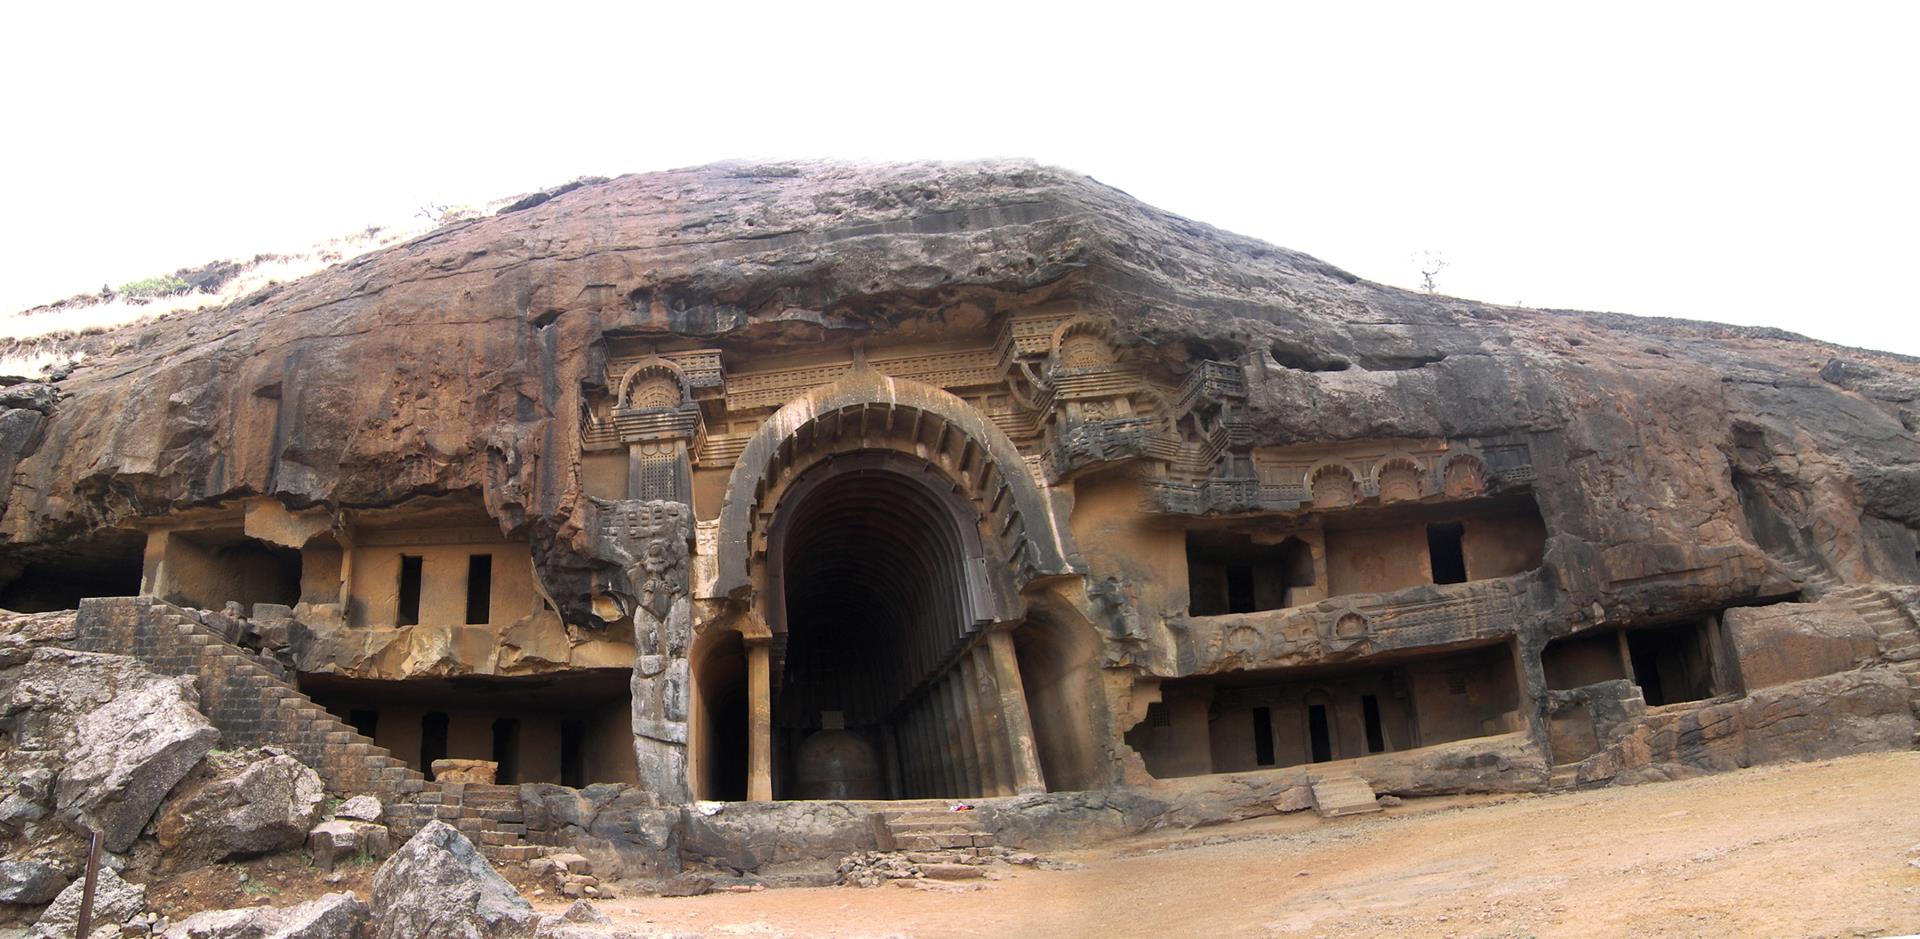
1228	496
1210	381
1351	627
640	424
1091	442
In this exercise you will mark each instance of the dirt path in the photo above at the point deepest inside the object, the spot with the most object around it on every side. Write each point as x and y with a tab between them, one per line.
1816	849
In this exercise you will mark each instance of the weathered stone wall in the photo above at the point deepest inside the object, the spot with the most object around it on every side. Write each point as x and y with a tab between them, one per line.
1104	377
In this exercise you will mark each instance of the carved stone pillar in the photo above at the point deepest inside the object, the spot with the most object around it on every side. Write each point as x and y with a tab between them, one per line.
759	720
972	778
1027	777
987	692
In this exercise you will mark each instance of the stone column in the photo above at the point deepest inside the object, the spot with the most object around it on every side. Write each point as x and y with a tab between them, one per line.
1530	678
1027	778
890	760
946	757
991	768
759	720
971	784
988	691
917	730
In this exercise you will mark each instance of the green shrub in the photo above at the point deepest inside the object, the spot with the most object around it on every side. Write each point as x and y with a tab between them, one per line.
164	286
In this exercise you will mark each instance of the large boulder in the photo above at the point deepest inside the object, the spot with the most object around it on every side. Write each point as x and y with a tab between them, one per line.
241	804
29	883
622	828
361	809
332	916
1789	642
339	839
128	754
118	736
1858	711
114	902
437	886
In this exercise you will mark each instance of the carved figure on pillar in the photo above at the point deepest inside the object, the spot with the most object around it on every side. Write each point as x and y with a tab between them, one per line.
1117	604
647	539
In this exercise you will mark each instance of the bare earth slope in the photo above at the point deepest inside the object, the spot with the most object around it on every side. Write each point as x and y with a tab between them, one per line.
1817	849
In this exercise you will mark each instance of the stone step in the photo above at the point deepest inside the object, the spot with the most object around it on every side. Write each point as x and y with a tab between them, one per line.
943	816
941	824
280	713
1564	777
520	853
1334	796
942	841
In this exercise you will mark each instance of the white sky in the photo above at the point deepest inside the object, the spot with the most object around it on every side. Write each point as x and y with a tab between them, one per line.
1748	162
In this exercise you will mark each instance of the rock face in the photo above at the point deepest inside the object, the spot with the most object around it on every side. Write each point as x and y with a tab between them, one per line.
240	805
27	883
332	916
128	755
1851	712
1790	642
621	827
116	736
114	902
360	809
343	838
996	480
438	887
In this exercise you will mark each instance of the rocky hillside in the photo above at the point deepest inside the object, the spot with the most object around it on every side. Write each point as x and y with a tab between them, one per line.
454	361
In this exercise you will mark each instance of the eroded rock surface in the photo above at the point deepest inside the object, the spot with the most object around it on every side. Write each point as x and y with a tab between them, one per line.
115	736
437	886
240	804
128	754
114	902
332	916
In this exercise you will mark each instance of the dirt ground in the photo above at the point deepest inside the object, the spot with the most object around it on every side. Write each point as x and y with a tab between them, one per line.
1818	849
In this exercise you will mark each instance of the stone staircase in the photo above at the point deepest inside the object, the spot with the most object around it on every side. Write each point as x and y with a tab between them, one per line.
253	706
489	815
1565	777
1335	796
930	827
1899	635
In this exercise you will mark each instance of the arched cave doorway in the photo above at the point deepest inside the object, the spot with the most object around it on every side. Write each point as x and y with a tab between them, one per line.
874	543
883	678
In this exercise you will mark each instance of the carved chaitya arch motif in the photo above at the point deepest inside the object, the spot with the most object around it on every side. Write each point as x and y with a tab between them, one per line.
654	387
869	411
1399	480
1082	344
1463	475
1333	486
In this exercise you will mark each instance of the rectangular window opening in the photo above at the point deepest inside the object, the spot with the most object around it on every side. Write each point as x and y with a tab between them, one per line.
1376	738
1671	664
1317	733
480	589
1444	550
409	612
1239	588
433	740
1263	736
506	750
1229	572
573	757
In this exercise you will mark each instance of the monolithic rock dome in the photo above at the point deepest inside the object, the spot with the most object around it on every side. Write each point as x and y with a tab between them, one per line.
754	483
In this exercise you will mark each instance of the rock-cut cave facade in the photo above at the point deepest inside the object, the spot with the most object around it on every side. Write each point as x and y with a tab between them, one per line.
672	516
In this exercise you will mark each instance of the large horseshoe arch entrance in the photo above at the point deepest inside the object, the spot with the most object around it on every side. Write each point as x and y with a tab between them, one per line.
876	535
884	623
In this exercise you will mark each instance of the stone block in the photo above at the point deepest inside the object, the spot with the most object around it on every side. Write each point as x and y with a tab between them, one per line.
1789	642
